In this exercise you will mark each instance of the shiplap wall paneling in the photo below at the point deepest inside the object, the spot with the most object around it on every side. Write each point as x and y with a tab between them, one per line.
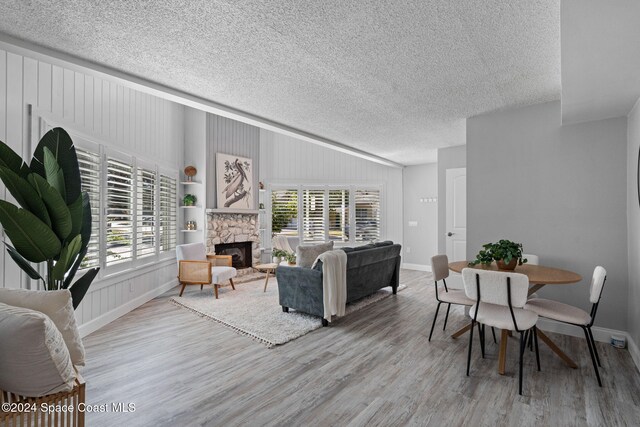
287	160
112	114
231	137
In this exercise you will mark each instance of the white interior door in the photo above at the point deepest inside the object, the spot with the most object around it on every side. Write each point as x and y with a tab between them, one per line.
456	214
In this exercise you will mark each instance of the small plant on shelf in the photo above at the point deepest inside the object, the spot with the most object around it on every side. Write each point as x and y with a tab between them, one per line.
506	253
189	200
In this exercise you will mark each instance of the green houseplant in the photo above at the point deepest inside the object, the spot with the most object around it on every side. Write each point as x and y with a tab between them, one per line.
278	254
52	225
291	258
189	200
505	253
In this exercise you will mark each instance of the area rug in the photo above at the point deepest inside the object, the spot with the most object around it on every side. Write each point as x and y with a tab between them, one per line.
250	311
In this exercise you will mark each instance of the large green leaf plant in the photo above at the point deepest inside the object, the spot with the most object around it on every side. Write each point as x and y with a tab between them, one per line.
52	224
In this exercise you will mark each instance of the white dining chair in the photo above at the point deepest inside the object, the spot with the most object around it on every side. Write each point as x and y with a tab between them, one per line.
531	259
499	298
571	315
440	269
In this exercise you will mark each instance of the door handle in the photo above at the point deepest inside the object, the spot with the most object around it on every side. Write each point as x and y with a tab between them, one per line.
449	234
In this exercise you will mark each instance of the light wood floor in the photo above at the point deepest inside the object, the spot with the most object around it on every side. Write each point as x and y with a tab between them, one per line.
374	367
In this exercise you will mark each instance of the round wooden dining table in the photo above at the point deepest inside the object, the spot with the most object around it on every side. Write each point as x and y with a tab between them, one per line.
539	276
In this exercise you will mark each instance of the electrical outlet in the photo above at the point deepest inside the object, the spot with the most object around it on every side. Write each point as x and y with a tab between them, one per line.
408	249
413	223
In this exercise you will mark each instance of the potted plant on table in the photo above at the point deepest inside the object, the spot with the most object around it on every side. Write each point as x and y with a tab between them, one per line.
291	258
278	255
505	253
52	224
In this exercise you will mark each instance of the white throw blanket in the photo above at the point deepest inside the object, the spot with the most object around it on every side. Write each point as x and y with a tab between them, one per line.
334	282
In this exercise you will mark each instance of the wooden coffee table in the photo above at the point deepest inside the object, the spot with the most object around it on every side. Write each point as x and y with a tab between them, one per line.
268	269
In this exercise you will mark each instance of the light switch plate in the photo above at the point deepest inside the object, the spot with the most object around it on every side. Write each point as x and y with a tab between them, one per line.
413	223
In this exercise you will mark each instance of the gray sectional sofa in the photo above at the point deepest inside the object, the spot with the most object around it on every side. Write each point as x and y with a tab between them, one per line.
369	268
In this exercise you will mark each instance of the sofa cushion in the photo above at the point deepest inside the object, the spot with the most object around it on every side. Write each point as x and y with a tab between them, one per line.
364	247
347	249
307	254
58	306
33	355
384	243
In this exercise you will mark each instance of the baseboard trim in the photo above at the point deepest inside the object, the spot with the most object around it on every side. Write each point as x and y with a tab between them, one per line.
600	334
634	351
103	320
418	267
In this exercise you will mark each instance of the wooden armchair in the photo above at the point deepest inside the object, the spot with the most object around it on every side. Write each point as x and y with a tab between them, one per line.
30	408
195	267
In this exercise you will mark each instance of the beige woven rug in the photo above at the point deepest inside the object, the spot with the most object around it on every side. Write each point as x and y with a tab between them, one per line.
250	311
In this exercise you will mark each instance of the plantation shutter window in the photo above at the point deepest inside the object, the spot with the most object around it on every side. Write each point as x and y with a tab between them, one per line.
89	164
168	213
146	213
367	206
339	215
284	212
313	215
119	212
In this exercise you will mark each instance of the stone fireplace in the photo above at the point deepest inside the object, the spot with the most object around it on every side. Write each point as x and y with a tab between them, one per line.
239	232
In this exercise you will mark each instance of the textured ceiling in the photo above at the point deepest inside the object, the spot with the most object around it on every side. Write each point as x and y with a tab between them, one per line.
392	78
600	58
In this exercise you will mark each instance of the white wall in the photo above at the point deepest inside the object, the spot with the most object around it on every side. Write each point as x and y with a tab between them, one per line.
560	190
89	102
421	240
287	160
633	224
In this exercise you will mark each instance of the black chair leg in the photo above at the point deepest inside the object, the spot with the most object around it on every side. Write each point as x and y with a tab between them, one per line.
446	317
535	341
473	325
523	345
530	341
493	332
481	334
434	320
593	343
593	357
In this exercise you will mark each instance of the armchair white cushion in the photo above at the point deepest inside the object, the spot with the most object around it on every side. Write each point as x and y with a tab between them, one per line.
221	274
191	252
34	360
58	305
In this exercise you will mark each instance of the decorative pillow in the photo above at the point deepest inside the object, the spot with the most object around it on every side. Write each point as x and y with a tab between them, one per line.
33	355
306	255
58	306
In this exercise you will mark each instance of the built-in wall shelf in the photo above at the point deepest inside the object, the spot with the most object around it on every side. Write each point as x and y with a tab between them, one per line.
191	207
190	183
190	231
234	211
